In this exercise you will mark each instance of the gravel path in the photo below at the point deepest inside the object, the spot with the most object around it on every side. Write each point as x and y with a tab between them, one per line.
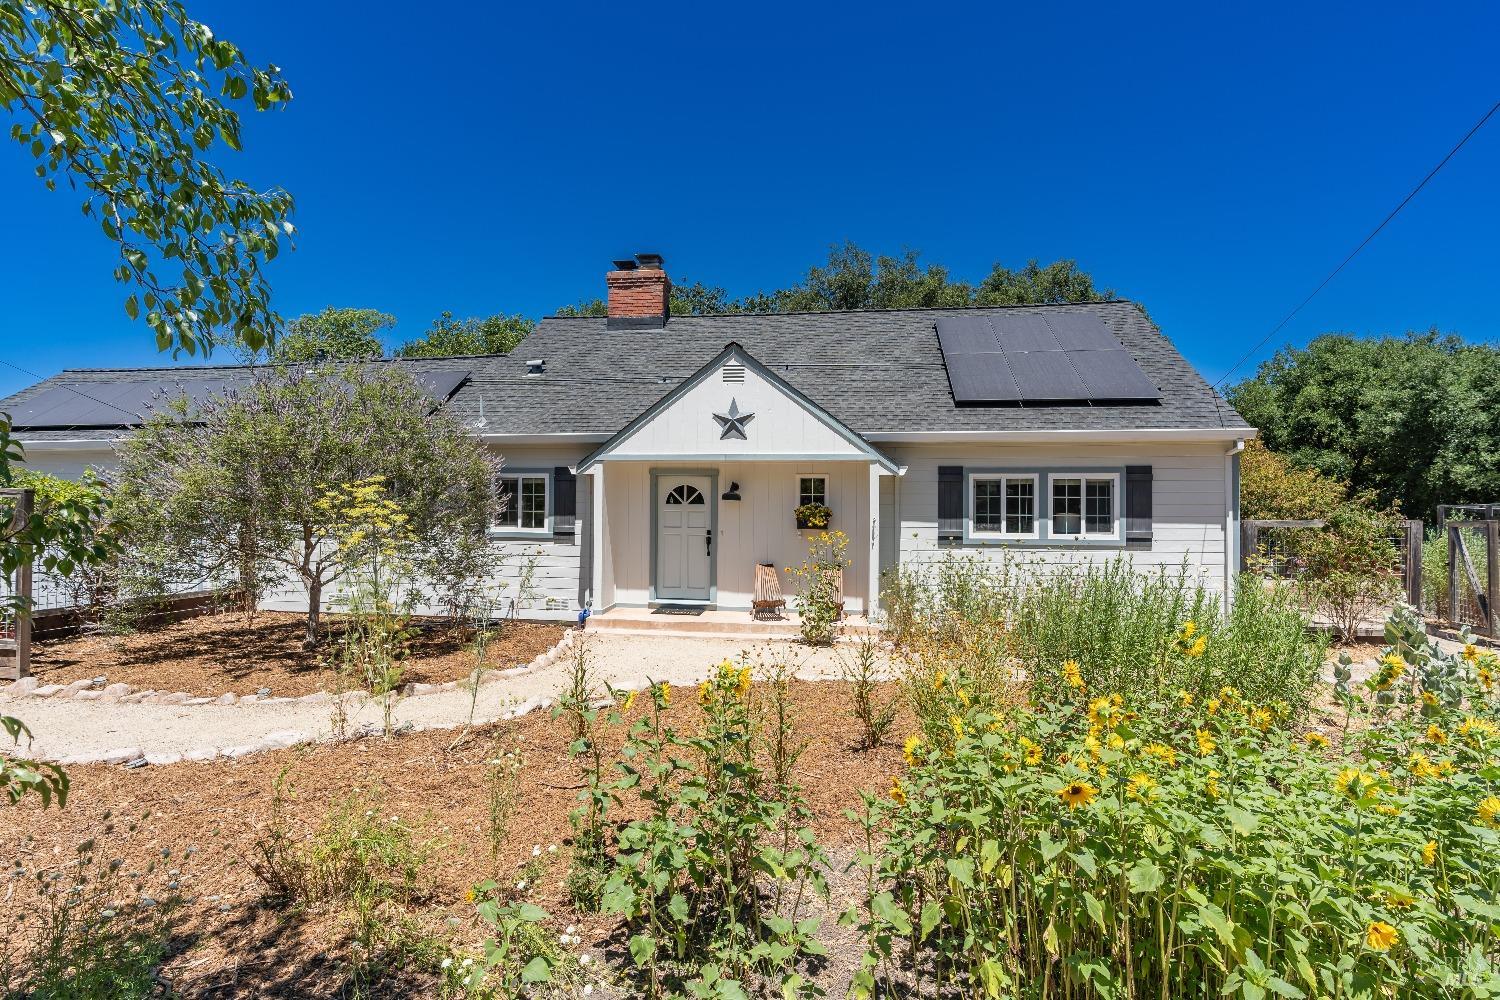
78	732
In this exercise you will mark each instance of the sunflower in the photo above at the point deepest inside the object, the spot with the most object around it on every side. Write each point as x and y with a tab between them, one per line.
938	680
705	692
1211	787
909	749
1421	767
1315	741
1436	735
742	681
1163	753
1379	936
1185	698
1429	699
1077	793
1396	899
1141	785
664	694
958	726
1189	629
1072	674
630	700
1198	648
1031	752
897	792
1430	852
1471	652
1213	706
1486	679
1116	741
1206	743
1261	719
1352	783
1488	811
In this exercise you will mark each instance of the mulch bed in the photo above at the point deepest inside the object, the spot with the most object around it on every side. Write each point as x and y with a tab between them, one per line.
232	943
212	654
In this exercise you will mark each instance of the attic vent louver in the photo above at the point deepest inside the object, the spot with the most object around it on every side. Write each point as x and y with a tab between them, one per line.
734	373
536	366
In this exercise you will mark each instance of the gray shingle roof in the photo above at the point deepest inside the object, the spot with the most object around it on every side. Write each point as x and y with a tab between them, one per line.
876	371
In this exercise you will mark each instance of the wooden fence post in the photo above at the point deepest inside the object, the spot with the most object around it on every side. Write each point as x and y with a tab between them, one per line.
1492	571
1414	564
25	502
1453	543
1249	540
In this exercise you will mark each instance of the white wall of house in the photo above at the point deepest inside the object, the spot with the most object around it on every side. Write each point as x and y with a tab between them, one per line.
1191	500
760	527
782	426
70	462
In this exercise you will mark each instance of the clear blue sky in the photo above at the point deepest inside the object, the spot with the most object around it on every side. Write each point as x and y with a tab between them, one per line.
1212	161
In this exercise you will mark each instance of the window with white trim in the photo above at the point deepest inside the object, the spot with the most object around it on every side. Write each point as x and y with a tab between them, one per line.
1085	506
1003	505
812	489
525	500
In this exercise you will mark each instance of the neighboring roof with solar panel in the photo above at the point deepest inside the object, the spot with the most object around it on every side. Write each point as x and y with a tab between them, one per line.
1039	358
101	402
882	373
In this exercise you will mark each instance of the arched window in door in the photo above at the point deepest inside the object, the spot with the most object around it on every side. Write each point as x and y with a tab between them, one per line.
684	494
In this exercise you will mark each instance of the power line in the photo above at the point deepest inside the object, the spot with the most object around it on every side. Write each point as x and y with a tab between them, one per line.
1363	243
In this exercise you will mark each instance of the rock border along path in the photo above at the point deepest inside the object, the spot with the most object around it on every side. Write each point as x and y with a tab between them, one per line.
157	729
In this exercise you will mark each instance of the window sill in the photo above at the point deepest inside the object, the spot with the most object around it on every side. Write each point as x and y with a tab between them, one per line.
519	534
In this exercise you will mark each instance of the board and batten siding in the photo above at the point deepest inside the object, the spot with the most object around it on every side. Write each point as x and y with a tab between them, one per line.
1191	503
760	527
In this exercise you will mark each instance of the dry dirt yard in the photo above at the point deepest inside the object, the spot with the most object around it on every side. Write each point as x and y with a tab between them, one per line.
231	942
215	654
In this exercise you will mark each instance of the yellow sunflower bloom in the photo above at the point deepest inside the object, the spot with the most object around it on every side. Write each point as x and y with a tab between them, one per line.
1206	742
1211	787
1072	674
1077	793
909	749
1430	852
1315	741
1141	785
1488	811
1185	698
1163	753
1031	752
1436	735
897	792
1213	706
1380	936
1471	652
630	700
1261	719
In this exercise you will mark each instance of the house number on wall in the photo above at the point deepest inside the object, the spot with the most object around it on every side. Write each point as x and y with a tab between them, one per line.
732	424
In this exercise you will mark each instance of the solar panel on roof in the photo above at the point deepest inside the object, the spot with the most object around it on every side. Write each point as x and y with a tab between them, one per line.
982	376
1051	357
128	402
1046	376
1112	375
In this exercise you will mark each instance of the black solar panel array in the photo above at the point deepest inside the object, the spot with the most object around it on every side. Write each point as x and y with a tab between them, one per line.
1060	357
128	402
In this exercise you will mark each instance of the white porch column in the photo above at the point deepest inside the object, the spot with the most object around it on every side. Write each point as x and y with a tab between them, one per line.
872	598
596	586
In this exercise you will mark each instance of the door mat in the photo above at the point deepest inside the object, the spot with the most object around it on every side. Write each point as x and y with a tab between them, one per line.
678	609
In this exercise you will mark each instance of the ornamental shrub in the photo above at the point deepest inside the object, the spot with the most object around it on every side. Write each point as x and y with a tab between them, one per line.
1109	845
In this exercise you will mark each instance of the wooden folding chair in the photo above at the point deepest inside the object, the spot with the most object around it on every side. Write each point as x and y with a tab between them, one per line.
768	597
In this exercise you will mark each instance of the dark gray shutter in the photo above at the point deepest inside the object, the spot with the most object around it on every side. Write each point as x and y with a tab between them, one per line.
950	504
564	502
1138	506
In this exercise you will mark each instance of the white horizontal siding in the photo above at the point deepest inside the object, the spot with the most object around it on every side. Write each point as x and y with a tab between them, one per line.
1190	504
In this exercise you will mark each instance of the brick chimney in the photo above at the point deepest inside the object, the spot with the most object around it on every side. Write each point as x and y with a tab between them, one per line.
639	291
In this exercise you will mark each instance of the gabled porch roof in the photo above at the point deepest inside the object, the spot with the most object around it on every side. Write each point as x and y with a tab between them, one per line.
752	414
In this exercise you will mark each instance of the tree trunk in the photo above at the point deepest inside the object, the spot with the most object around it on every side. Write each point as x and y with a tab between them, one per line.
314	610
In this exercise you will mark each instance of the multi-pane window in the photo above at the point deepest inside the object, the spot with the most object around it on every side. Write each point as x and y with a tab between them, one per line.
812	489
1083	506
523	500
1003	505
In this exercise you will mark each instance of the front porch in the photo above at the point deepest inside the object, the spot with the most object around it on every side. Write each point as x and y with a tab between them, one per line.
712	623
689	498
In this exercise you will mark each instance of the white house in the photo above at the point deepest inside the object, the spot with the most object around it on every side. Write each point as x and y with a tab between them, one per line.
653	459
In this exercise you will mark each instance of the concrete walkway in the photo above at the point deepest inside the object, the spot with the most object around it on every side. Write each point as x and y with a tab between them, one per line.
73	731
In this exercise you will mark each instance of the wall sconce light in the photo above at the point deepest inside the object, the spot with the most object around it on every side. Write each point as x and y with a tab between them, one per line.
733	493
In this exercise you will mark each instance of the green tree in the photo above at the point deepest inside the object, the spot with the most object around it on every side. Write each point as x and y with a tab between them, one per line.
1410	419
124	102
1274	489
854	278
498	334
241	488
335	334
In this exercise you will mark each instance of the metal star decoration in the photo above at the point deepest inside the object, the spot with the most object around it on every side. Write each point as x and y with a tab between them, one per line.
732	424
